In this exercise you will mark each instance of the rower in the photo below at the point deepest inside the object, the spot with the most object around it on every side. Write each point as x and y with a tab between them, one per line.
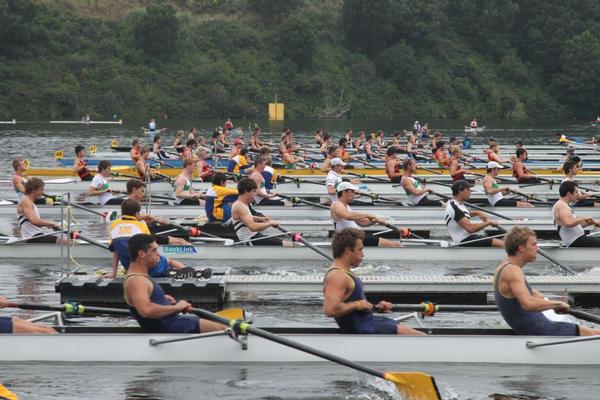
493	154
99	189
467	143
18	181
342	146
248	226
358	141
142	167
333	178
325	143
192	134
319	137
18	325
392	168
228	124
219	198
185	195
289	161
157	149
380	140
519	171
343	216
136	150
238	145
570	228
263	197
440	154
411	146
269	173
454	167
570	168
495	194
348	136
255	143
136	190
120	233
368	148
521	306
188	149
28	216
178	143
458	219
80	165
343	295
155	311
203	169
239	164
332	153
416	194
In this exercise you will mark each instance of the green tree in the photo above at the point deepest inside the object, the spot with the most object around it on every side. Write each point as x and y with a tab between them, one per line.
368	25
157	32
297	40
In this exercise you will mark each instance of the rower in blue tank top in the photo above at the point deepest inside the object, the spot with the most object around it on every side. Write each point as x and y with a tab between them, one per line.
521	306
155	311
344	298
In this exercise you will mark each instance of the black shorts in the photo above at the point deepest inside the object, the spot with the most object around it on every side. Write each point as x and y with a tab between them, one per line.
189	202
371	241
43	239
487	242
271	202
426	202
586	241
261	240
586	203
87	178
115	201
506	203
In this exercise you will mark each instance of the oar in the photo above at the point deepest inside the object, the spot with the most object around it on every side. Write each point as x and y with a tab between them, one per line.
430	309
370	176
195	232
296	199
78	235
443	196
586	316
401	232
108	215
297	237
413	385
58	232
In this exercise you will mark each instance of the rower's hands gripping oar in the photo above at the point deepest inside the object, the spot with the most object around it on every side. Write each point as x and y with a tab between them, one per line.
297	237
402	232
586	316
413	385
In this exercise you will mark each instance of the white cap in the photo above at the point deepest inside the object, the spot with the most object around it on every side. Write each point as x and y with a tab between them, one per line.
346	186
494	164
337	161
570	147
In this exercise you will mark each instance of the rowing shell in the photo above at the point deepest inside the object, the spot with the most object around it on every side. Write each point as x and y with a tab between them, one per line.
554	172
450	346
202	252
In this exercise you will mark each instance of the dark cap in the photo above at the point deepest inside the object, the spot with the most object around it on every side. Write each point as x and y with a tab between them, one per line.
519	142
460	185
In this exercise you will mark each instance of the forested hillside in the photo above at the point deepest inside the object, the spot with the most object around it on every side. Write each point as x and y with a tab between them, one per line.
323	58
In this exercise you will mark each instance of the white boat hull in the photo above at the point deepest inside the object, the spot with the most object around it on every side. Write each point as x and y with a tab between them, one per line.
202	252
399	350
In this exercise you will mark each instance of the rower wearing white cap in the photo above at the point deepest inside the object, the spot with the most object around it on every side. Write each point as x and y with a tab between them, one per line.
344	217
495	194
458	219
334	178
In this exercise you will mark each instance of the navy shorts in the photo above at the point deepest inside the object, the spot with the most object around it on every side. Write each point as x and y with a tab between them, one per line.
6	325
181	324
379	326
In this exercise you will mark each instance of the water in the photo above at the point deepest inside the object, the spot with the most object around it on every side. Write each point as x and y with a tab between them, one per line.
33	281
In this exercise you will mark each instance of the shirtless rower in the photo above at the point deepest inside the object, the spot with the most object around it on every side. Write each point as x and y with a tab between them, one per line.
570	228
522	306
18	325
263	197
495	194
415	192
121	231
99	190
458	219
343	216
80	166
155	311
332	153
28	216
343	294
392	167
289	160
454	167
248	226
142	167
185	195
440	154
520	172
203	169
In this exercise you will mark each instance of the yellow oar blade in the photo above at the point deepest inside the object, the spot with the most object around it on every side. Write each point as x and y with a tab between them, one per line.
232	313
7	394
121	168
414	385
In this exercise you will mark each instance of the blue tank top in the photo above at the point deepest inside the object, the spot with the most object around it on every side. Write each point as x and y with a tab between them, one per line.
351	322
525	322
157	297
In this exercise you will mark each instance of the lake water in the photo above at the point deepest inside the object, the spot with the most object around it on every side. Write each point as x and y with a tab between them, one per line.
33	281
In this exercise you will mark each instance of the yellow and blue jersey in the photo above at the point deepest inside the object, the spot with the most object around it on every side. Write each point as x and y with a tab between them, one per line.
218	202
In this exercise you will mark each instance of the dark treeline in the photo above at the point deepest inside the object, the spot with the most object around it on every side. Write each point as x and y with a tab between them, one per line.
323	58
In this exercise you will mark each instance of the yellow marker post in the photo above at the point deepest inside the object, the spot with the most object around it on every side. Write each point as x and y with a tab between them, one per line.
114	143
276	111
59	154
92	148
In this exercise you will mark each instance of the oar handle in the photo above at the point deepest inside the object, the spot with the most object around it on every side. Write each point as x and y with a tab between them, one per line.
298	238
586	316
71	308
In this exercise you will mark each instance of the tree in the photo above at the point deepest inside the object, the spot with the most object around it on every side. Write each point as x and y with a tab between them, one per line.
157	32
368	25
297	40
